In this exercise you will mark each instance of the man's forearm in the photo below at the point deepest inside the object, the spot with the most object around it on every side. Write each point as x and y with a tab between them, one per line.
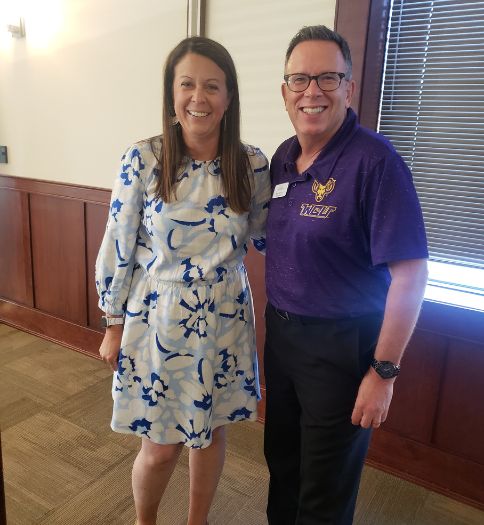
402	308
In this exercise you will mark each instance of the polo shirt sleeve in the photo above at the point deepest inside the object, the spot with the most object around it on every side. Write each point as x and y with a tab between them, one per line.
393	218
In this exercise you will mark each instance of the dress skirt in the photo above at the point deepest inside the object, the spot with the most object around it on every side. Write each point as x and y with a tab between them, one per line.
188	360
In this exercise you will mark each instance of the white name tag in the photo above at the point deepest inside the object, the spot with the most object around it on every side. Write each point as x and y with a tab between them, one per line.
280	190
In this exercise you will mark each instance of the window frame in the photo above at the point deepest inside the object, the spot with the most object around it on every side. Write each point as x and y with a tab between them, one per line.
365	26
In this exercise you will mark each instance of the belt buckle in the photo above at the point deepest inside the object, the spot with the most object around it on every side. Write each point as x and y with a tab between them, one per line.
282	314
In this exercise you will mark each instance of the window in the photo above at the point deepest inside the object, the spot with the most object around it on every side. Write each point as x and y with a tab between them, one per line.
432	109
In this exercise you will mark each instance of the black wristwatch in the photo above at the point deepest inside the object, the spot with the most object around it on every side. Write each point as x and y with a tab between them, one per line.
385	369
111	321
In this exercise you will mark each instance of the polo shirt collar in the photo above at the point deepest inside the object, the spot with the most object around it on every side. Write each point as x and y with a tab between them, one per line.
322	167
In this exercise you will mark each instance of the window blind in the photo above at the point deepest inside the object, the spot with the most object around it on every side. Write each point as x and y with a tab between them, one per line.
432	110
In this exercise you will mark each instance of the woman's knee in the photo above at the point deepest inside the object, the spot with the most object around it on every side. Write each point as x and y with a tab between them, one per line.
157	455
218	435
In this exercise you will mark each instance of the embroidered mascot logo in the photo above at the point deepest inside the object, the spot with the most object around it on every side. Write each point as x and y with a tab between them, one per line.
319	211
321	190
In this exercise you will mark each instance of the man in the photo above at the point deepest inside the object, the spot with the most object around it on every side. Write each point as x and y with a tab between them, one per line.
345	272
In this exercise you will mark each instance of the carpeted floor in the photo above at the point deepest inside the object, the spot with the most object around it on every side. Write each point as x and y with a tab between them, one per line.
64	466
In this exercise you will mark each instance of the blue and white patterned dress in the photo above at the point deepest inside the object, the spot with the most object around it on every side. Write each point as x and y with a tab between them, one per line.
188	360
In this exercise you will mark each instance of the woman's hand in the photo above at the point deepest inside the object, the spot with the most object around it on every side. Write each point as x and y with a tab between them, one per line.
109	349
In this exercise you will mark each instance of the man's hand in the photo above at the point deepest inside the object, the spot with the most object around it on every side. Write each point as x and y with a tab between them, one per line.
109	349
373	400
402	307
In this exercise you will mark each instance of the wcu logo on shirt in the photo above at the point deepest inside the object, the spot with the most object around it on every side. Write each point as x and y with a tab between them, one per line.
319	211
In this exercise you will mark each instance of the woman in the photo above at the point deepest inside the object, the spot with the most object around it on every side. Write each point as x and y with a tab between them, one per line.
170	272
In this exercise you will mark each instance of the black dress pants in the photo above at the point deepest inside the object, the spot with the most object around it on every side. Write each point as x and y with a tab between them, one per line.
313	369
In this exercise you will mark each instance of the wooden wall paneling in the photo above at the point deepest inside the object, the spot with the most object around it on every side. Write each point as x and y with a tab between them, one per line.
416	393
372	78
15	253
460	423
364	26
59	262
426	465
350	22
57	189
3	509
96	217
255	263
452	321
51	327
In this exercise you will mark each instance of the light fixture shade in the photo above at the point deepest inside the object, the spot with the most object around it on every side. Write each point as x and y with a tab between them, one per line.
17	31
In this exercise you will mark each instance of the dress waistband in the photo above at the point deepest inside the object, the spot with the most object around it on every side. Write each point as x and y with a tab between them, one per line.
225	277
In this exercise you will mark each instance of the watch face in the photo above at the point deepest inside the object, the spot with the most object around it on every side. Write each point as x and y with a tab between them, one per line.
386	369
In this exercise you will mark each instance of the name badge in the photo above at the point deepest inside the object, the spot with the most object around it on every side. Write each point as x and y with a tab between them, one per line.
280	190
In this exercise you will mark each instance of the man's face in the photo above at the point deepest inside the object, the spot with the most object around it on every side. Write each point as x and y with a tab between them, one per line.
315	114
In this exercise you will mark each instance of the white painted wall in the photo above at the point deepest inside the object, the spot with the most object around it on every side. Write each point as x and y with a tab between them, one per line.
257	33
86	81
83	84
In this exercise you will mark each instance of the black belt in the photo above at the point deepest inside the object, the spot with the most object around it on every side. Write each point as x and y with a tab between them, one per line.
306	319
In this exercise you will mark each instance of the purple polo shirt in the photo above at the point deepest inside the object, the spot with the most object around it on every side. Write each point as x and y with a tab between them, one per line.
330	235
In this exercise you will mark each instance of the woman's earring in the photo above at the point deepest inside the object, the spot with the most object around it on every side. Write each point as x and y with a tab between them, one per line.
174	121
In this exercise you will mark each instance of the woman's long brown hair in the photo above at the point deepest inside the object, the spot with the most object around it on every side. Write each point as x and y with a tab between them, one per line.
234	162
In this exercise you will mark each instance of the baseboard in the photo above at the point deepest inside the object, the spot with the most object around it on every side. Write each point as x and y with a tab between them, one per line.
437	470
60	331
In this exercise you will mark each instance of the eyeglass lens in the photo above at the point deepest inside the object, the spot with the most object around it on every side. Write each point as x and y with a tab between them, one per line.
326	81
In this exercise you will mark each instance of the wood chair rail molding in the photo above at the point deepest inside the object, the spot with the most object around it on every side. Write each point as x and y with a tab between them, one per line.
51	233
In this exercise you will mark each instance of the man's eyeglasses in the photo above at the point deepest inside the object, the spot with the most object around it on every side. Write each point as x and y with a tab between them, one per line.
326	81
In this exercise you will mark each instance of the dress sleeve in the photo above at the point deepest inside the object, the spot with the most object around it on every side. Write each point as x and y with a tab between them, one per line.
259	205
115	260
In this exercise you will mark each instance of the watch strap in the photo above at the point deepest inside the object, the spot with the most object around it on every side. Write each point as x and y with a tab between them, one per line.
111	321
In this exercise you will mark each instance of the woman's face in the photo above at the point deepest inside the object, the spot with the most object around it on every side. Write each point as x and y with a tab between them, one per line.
200	97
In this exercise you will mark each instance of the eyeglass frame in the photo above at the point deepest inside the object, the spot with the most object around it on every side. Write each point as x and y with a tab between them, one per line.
315	77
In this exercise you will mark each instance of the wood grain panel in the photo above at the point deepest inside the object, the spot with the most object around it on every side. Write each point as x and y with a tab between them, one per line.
351	22
416	393
460	422
51	328
454	322
96	217
3	510
59	258
57	189
364	25
446	473
15	253
374	59
255	263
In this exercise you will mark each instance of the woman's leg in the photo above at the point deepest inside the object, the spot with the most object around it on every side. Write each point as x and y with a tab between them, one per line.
152	470
205	469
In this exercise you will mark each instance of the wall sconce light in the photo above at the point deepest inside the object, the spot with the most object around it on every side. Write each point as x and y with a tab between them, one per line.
17	30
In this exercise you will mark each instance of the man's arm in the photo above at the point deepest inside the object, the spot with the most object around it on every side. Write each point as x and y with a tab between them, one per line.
402	308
